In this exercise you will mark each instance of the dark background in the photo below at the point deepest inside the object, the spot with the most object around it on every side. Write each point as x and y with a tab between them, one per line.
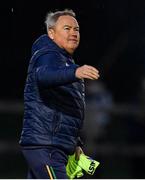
112	39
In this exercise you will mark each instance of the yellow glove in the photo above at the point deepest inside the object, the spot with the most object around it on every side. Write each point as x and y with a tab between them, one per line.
75	167
72	168
88	164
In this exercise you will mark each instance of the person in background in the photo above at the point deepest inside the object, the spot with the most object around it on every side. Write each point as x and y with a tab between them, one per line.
54	98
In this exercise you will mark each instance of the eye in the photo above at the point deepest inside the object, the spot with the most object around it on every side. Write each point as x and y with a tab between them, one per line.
77	29
66	28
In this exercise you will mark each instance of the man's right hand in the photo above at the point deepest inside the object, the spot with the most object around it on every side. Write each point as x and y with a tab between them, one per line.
87	72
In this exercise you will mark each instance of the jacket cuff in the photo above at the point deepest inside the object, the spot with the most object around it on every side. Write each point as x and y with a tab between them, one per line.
74	71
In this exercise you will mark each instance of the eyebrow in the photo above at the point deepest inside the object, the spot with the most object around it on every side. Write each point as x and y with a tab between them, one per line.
76	27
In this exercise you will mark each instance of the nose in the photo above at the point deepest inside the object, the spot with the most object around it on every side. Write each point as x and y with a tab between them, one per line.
74	33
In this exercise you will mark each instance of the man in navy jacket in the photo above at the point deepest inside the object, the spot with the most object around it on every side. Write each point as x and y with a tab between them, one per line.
54	98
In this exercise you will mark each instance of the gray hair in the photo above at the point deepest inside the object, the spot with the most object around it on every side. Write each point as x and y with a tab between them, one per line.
52	17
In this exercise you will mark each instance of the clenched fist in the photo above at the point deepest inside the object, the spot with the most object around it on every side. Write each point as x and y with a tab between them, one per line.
87	72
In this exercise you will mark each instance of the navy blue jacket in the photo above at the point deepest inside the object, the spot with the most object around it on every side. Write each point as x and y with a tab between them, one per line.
53	98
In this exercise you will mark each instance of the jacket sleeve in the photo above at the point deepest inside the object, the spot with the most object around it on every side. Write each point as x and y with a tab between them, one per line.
48	72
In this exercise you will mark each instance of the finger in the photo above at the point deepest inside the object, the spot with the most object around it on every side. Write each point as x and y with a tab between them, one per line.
78	152
89	76
90	71
93	75
93	69
76	156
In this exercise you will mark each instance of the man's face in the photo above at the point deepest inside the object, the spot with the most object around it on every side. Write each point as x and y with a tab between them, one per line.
66	33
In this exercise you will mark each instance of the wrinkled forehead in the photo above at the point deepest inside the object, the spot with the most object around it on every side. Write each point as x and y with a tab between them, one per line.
67	20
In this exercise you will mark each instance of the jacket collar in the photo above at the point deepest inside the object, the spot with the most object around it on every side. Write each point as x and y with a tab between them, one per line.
45	42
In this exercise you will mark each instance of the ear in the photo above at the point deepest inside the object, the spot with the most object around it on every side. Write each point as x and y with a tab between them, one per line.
51	33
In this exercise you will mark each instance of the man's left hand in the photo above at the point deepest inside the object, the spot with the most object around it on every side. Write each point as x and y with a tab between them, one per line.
78	151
